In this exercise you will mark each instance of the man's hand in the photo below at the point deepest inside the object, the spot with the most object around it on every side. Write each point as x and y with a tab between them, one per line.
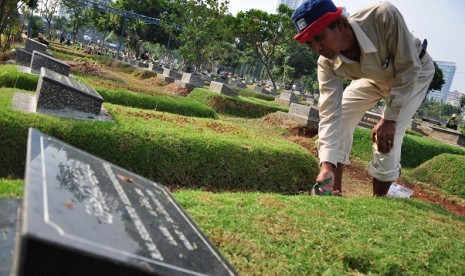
383	135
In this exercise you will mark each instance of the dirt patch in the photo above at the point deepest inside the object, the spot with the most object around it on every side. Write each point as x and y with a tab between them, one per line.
175	89
9	55
92	69
357	182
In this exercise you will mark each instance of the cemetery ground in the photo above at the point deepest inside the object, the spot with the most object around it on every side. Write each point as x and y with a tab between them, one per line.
243	172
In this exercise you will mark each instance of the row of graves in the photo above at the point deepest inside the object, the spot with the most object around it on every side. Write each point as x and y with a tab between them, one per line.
82	215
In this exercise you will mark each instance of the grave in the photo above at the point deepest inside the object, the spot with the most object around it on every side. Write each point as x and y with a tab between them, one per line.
57	94
221	88
190	81
369	120
32	45
86	216
23	57
259	89
304	114
8	224
287	98
156	68
142	65
169	75
40	60
239	84
448	135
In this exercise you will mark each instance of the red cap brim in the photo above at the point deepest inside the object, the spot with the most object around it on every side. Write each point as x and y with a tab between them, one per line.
317	26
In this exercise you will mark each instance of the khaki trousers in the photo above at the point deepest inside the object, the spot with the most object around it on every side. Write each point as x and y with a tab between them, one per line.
359	97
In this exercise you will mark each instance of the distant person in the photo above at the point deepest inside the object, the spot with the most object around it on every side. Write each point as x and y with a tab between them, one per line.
376	51
42	39
144	56
452	123
24	36
62	37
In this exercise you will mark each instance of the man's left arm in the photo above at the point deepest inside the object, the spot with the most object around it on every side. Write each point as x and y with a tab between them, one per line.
407	66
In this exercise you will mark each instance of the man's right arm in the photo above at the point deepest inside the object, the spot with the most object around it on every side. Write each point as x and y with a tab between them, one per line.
330	109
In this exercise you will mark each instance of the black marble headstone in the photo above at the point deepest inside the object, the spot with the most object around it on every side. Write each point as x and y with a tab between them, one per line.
40	60
85	216
8	221
59	93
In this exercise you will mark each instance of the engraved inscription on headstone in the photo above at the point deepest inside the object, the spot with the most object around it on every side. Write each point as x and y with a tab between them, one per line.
56	92
86	216
369	120
40	60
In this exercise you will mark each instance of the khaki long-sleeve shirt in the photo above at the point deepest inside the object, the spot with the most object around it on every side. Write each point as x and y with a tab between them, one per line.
389	59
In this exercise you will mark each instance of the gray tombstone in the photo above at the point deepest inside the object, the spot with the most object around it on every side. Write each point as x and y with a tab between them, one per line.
8	221
173	74
369	120
287	98
192	79
40	60
142	65
156	68
32	45
23	57
86	216
221	88
239	84
165	78
304	114
56	93
259	89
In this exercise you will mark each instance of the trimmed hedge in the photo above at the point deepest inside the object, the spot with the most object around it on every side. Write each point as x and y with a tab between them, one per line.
170	149
445	171
178	105
10	77
411	156
253	94
232	106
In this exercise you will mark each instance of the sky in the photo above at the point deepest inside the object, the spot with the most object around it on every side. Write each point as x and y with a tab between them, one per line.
442	22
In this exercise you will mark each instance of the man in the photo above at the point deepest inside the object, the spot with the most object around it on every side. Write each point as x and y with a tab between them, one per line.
374	49
144	56
452	123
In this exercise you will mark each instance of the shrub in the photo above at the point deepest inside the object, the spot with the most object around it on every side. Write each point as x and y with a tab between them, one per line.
180	105
411	156
170	149
444	171
10	77
253	94
231	105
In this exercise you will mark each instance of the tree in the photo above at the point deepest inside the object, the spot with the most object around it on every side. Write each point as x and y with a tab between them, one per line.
263	32
9	18
462	102
78	15
49	8
438	79
200	28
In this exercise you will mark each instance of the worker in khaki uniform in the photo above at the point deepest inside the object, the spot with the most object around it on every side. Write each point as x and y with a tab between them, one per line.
374	49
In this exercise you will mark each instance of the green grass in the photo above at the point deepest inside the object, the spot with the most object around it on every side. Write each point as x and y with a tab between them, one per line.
445	171
259	233
176	105
170	149
10	77
11	188
263	234
234	106
253	94
415	150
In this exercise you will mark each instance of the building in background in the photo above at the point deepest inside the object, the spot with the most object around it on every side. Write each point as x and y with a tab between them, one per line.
454	98
293	4
448	72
